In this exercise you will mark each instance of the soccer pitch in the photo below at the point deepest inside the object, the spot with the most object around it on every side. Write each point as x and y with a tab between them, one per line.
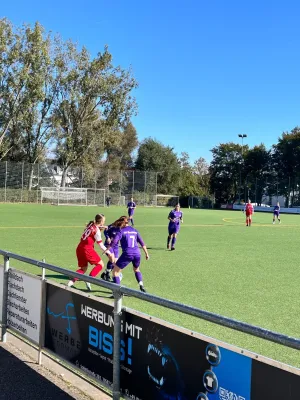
248	273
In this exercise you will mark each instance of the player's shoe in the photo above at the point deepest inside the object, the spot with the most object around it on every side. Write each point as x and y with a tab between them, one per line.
273	222
70	283
105	276
88	286
173	248
142	289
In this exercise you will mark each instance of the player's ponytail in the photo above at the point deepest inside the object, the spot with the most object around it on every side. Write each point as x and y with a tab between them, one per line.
121	222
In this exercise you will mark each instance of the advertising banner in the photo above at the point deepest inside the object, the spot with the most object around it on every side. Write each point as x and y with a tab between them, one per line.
24	304
1	290
157	361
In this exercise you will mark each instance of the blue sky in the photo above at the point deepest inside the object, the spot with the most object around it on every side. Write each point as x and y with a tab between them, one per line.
207	70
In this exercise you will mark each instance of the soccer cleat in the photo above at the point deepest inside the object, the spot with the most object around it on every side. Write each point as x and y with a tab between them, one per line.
173	248
88	286
105	276
70	283
142	289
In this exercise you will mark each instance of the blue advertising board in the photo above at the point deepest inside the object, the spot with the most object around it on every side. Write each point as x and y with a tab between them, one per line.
158	361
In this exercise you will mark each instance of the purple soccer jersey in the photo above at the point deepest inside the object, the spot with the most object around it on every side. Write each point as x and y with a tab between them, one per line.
111	233
130	209
276	211
129	239
174	225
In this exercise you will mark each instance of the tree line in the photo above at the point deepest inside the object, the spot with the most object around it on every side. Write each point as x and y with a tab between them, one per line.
55	98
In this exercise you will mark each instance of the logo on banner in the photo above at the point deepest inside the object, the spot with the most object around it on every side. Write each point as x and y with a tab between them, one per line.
210	382
225	394
64	315
213	354
202	396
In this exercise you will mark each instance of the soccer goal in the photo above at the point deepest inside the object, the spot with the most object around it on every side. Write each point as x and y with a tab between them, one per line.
72	196
164	200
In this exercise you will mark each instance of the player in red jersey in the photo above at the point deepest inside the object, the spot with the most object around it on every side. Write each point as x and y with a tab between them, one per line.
249	209
86	253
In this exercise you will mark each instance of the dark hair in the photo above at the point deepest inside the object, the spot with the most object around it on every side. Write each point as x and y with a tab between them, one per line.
120	222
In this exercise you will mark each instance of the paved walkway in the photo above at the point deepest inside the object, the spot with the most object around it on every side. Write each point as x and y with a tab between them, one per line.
21	378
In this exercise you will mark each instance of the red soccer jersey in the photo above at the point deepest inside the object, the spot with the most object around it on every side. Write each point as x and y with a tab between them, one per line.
91	235
249	208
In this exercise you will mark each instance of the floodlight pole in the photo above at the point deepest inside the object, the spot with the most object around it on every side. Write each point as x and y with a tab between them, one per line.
242	136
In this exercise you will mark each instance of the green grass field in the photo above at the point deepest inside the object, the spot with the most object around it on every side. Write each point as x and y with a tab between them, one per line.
250	274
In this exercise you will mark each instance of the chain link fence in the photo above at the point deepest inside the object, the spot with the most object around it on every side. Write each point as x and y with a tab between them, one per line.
270	190
22	182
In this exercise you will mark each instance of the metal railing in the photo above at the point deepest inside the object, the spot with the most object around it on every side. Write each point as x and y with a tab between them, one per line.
119	291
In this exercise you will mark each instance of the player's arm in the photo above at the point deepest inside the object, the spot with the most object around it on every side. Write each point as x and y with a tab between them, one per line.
170	217
181	218
144	247
104	248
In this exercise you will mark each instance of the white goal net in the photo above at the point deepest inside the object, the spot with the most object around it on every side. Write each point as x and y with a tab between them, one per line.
72	196
164	200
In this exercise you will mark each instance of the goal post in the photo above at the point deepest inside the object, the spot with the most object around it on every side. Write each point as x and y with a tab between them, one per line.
72	196
166	200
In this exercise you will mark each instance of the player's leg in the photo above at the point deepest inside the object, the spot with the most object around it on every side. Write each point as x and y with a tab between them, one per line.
94	259
82	264
121	263
250	220
138	275
247	219
278	217
174	237
171	232
274	216
109	266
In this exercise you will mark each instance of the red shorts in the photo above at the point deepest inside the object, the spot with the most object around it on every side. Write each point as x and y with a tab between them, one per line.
248	214
87	255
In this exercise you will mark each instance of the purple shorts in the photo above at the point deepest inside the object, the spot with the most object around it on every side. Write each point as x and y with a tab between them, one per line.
276	213
173	228
126	259
114	250
130	212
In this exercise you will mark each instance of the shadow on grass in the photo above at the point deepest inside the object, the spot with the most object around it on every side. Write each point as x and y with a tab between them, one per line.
19	381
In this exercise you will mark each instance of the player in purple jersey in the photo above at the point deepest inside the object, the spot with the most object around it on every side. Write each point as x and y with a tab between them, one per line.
129	238
131	206
276	213
175	217
110	233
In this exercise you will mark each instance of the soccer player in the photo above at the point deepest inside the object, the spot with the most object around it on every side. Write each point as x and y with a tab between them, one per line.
175	217
276	213
131	206
129	238
110	233
249	209
85	252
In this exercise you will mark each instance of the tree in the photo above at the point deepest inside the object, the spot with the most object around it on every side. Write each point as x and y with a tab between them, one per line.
225	170
201	169
119	150
154	156
286	161
189	183
94	101
257	170
14	73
